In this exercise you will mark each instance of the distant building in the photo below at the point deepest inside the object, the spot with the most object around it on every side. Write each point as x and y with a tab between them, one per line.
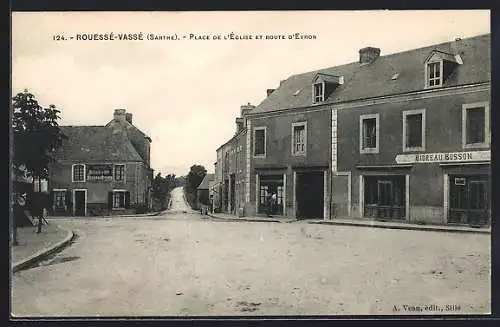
402	137
230	188
102	170
203	190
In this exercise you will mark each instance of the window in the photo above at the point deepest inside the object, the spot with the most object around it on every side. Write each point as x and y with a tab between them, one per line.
318	92
259	142
60	200
434	74
119	199
369	130
299	138
78	173
119	172
475	125
414	130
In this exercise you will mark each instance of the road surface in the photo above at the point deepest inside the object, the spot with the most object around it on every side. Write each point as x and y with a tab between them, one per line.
181	264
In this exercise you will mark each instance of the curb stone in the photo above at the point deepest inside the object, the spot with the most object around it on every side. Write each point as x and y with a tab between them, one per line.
244	219
20	265
409	227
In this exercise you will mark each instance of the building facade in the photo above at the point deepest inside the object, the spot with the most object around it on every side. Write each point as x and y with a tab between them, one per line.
402	137
101	170
230	183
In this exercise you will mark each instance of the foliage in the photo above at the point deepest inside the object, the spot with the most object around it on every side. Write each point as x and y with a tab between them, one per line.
162	186
193	180
36	134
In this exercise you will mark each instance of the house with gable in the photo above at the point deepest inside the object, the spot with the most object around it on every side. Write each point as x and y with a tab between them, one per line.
102	170
402	137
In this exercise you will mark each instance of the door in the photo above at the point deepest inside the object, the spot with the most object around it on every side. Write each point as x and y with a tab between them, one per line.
80	204
385	197
469	200
309	195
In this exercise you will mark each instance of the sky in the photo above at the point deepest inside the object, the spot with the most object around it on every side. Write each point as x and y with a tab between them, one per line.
186	94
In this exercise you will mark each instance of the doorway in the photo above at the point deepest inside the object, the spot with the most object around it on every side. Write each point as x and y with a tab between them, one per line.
271	184
469	200
80	203
385	197
309	195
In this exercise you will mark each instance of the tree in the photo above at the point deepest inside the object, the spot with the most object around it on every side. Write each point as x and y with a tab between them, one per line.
193	180
162	186
36	137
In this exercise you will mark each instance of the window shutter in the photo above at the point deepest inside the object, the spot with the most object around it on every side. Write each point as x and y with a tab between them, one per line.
110	200
127	199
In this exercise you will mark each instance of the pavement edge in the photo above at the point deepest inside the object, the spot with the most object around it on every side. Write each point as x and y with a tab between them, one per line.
409	227
243	219
20	265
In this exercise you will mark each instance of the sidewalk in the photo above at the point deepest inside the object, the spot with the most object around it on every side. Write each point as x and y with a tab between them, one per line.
33	246
401	225
229	217
358	223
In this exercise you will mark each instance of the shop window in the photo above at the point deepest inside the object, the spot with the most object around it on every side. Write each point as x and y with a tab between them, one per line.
475	125
299	138
369	130
384	197
259	142
78	173
119	172
119	199
469	200
59	198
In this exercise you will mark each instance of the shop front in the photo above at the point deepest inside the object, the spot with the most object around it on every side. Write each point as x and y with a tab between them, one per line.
468	194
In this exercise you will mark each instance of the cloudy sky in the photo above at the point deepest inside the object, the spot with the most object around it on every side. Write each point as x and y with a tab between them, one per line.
186	94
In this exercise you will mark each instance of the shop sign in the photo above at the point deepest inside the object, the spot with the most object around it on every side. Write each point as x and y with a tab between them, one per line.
459	181
444	157
99	172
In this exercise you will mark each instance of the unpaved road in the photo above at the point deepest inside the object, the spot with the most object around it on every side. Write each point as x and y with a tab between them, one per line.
181	264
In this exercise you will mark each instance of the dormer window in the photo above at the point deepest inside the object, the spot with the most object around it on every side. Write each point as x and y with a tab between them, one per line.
439	66
323	85
318	92
434	74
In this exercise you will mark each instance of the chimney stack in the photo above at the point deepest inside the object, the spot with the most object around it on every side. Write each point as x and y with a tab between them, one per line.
128	117
368	55
244	109
269	91
240	124
119	114
455	46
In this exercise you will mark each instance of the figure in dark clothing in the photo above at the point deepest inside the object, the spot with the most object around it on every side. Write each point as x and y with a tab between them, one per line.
271	202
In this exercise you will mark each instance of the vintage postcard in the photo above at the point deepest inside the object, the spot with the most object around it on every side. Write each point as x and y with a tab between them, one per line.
253	163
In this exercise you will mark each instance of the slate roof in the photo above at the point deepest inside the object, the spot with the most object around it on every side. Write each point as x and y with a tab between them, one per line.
96	143
375	79
205	183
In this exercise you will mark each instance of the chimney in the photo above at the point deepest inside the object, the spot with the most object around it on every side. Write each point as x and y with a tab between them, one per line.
269	91
128	117
245	109
368	55
240	124
119	114
455	46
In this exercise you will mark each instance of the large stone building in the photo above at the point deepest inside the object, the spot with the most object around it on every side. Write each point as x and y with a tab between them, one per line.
230	188
402	137
102	169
